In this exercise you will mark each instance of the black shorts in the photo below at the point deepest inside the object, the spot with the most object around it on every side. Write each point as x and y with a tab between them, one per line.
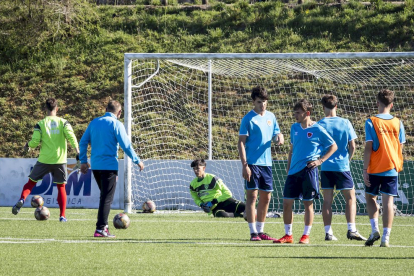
230	205
40	170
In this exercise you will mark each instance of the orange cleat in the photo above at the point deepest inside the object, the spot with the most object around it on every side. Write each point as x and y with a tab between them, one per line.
285	239
304	239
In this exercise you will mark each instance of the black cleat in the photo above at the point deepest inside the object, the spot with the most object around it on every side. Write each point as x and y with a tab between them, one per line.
329	237
355	236
372	238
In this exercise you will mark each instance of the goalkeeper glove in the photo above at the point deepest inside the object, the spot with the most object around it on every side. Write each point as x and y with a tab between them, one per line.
77	157
26	148
206	206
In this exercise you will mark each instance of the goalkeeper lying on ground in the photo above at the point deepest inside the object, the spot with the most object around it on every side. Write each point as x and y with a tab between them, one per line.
212	195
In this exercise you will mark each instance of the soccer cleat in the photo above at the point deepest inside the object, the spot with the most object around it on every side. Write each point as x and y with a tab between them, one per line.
304	239
329	237
372	238
17	206
103	234
254	237
355	236
63	219
266	237
285	239
385	244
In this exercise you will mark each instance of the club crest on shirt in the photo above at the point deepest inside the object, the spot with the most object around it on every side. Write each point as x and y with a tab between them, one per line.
309	134
205	186
269	123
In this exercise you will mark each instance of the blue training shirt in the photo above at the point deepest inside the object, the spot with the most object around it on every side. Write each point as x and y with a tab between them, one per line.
105	134
308	145
342	131
259	131
371	135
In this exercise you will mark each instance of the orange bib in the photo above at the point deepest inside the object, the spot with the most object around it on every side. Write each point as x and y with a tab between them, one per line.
388	156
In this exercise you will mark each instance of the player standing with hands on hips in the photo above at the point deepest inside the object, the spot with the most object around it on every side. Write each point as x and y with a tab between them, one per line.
383	160
51	133
105	134
308	143
257	130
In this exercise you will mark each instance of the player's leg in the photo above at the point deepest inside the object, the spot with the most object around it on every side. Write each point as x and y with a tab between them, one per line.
107	185
251	197
371	194
222	214
60	178
265	194
291	191
37	173
310	191
327	213
309	215
388	191
233	206
350	214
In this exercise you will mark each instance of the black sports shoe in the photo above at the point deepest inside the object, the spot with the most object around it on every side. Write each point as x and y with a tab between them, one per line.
355	236
255	237
17	206
329	237
372	238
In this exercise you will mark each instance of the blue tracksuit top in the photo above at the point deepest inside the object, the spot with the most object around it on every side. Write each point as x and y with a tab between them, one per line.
105	134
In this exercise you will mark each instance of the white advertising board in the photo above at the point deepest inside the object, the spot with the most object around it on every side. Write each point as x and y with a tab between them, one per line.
82	190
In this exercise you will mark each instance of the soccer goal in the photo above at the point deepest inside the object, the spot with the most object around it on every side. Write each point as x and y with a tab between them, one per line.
179	107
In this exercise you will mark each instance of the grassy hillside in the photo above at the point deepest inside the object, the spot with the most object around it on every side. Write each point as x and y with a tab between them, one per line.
74	52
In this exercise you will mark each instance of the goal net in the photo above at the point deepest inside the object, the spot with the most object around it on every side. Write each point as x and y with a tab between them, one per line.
179	107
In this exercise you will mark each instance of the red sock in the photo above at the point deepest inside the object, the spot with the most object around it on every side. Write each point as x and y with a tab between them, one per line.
61	199
27	188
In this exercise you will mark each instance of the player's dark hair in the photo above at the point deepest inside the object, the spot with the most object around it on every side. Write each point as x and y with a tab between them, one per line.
304	105
51	104
113	106
259	92
198	162
386	97
329	101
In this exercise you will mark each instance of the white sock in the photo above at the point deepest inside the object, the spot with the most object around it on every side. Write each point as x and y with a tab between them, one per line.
307	230
288	229
386	234
252	227
260	226
374	225
351	227
328	230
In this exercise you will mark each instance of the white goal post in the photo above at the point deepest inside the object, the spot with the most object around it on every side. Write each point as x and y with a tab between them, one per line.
179	107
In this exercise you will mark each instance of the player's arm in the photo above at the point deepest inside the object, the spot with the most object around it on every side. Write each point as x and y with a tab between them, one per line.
278	139
225	192
331	149
195	197
126	144
367	158
36	137
83	149
70	136
351	149
289	158
241	145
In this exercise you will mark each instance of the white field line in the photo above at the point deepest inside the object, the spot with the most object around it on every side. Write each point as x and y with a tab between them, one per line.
24	241
206	221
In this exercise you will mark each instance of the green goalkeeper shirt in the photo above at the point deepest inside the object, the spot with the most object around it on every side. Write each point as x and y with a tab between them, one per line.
209	188
52	133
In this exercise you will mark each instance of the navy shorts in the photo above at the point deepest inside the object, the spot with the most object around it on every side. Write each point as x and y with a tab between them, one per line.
342	180
382	184
302	185
261	179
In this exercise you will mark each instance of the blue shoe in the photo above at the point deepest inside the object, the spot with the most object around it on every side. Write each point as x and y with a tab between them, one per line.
17	206
63	219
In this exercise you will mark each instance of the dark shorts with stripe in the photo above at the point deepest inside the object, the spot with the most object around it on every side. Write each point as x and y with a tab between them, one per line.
340	180
382	185
302	185
261	178
230	205
58	172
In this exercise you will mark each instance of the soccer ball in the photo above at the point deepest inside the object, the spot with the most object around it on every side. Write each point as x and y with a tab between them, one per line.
121	221
148	206
37	201
42	213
